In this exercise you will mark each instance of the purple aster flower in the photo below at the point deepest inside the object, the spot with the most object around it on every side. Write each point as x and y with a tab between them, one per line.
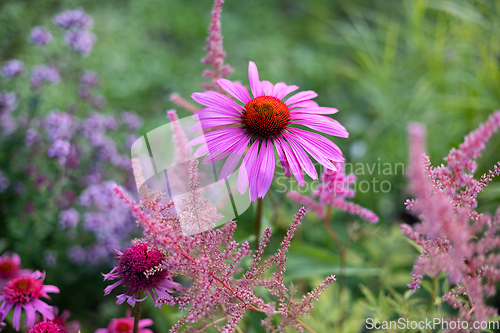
48	327
141	268
265	122
40	36
131	119
76	254
80	40
32	137
12	68
89	78
68	218
73	19
24	292
99	102
60	149
50	258
59	125
42	73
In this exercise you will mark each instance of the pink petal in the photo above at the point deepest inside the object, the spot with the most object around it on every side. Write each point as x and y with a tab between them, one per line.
315	109
111	287
17	316
321	149
16	259
267	88
233	160
304	104
323	124
30	314
247	166
209	123
121	298
101	330
236	90
253	77
292	161
267	166
302	157
216	100
281	90
42	307
50	289
301	96
209	112
255	174
145	322
282	158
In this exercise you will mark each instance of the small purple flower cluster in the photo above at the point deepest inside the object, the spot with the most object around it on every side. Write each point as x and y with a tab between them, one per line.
40	36
41	74
78	24
12	68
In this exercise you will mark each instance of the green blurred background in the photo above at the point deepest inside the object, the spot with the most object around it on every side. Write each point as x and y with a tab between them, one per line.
382	63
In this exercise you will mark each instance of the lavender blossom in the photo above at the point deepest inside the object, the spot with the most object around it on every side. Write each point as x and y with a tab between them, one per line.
60	149
42	73
12	68
40	36
32	137
68	218
80	40
76	19
131	119
89	78
59	125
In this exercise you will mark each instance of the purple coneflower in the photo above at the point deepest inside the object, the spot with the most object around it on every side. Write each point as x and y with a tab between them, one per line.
24	292
126	325
265	122
141	268
48	327
10	267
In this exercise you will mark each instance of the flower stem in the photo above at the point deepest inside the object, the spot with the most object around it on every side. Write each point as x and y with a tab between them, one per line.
258	220
138	312
341	250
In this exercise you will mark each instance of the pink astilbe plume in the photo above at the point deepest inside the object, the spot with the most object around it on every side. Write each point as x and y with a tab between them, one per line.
455	240
216	53
334	189
197	214
215	296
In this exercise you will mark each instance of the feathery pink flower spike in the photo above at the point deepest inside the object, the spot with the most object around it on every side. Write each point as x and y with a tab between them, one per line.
264	123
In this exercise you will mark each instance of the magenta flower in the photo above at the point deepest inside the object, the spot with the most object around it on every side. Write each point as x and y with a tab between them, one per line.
10	267
141	268
126	325
47	327
265	122
24	292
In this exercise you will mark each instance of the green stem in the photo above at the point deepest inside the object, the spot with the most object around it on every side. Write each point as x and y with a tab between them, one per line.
138	312
342	254
258	221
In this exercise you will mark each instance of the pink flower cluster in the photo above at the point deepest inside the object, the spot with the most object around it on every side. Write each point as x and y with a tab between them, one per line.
455	239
